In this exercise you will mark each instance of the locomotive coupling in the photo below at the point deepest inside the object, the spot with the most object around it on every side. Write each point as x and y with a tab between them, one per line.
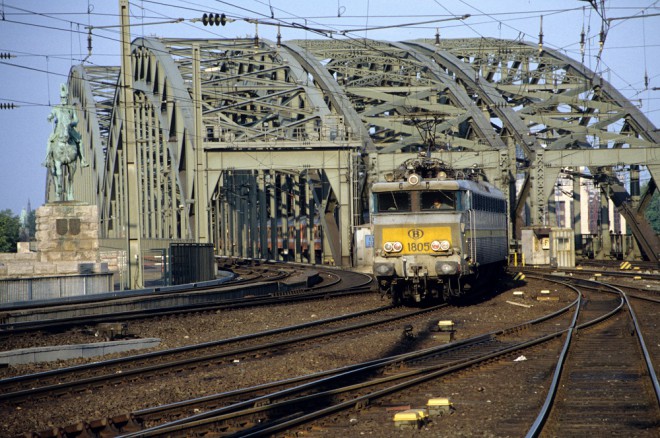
443	267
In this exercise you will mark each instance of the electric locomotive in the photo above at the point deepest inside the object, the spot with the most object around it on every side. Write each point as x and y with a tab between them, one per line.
437	232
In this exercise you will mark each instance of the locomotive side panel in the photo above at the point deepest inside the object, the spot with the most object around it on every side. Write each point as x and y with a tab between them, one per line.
486	236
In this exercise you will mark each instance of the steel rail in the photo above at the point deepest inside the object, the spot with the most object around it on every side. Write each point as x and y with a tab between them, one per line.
647	357
537	427
593	272
33	379
412	378
274	297
416	376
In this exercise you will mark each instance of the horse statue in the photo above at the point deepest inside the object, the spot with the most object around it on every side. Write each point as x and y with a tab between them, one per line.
64	147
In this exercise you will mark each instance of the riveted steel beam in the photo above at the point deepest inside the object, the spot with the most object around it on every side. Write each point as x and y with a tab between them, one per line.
319	117
401	96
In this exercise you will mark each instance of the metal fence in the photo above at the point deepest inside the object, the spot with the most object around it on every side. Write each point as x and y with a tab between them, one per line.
41	288
191	263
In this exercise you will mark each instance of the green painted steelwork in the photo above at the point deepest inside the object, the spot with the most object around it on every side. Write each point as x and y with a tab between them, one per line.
295	133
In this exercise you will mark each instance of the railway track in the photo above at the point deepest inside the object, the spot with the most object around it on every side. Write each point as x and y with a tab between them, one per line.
373	382
364	397
652	275
127	369
308	392
616	264
40	314
605	379
252	290
314	409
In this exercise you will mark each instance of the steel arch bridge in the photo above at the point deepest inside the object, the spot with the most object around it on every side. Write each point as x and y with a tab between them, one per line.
268	150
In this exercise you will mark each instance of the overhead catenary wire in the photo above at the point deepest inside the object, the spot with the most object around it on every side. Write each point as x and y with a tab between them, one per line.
264	15
296	25
355	39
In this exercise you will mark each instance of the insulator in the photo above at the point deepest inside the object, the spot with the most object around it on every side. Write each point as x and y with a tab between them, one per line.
541	36
256	34
7	106
437	36
5	55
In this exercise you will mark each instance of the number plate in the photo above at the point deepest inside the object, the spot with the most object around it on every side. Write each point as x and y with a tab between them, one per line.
416	240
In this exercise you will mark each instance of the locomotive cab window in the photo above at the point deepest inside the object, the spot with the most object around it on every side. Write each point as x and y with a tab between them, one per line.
392	202
438	200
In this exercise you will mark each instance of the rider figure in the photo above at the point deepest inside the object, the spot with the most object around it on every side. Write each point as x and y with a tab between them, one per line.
63	112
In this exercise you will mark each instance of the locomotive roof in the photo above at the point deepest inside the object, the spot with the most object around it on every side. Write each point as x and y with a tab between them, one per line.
435	184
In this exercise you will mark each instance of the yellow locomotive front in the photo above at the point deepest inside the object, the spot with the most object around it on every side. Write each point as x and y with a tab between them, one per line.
417	239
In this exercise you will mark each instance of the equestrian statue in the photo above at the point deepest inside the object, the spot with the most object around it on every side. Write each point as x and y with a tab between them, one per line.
64	148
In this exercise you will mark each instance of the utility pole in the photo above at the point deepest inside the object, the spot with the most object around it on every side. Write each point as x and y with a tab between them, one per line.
200	164
129	156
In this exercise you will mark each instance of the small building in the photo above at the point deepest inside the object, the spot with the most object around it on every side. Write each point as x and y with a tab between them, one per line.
549	246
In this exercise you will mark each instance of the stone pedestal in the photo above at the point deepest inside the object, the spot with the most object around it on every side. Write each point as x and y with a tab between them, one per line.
67	261
68	237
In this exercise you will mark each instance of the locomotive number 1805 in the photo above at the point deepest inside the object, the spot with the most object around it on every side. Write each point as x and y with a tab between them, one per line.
419	246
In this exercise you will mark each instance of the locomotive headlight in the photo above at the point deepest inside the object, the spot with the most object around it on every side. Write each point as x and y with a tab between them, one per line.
448	269
413	179
438	245
392	246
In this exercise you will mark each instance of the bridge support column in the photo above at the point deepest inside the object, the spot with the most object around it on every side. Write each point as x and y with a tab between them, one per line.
131	181
576	214
604	228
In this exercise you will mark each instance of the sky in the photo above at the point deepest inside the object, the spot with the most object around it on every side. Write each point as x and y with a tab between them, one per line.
45	39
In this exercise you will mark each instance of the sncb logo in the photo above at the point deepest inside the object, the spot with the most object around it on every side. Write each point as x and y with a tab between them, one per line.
415	234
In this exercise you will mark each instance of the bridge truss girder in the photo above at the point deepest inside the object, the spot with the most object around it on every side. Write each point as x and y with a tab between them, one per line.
197	101
564	105
324	118
303	192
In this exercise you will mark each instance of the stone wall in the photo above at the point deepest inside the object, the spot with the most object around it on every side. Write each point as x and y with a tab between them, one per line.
67	244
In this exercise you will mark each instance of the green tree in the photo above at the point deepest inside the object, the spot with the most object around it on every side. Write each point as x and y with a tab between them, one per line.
652	212
9	229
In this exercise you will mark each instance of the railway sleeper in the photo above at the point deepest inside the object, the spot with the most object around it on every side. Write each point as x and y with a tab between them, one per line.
517	329
124	423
